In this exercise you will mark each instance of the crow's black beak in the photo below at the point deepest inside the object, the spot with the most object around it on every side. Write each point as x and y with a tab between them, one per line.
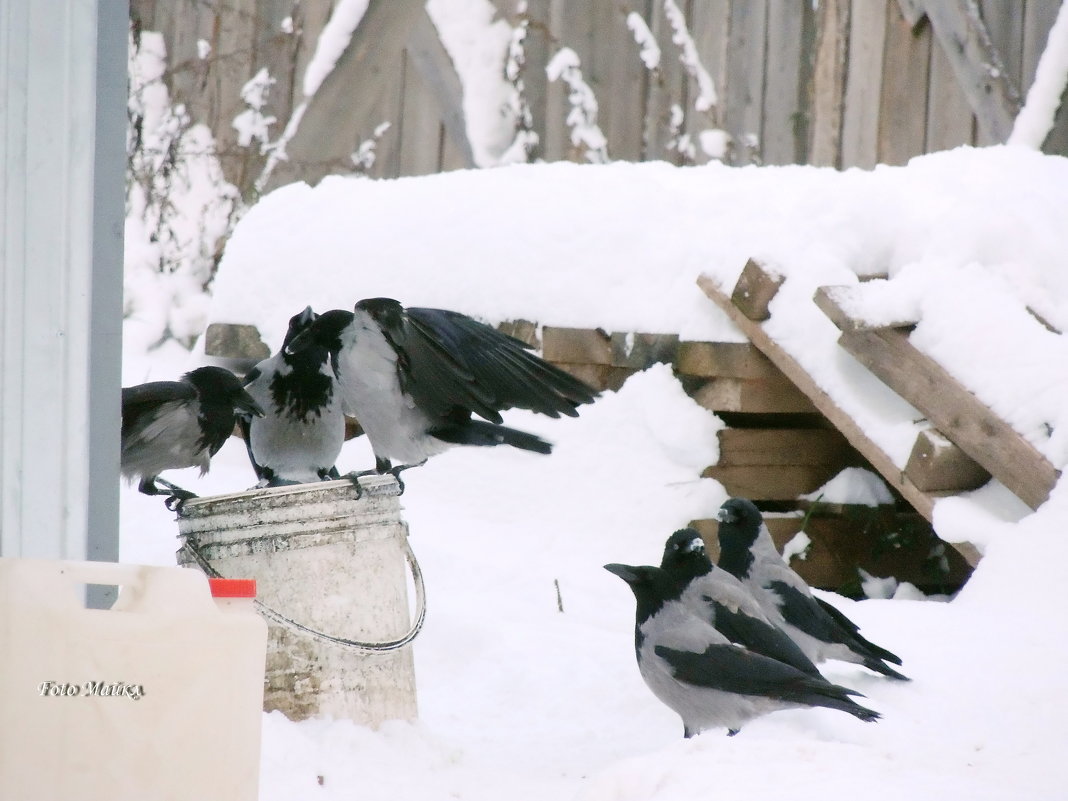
625	572
246	403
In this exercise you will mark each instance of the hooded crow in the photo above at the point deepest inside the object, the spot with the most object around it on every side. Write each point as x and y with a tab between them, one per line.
700	674
414	377
747	551
720	599
167	425
303	428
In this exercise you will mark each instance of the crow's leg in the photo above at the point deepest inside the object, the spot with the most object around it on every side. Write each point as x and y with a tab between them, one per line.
396	471
732	732
176	496
329	475
148	486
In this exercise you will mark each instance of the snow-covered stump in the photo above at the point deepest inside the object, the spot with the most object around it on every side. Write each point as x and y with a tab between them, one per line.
332	583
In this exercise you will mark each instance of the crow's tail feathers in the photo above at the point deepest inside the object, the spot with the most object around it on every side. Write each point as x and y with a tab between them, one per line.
477	432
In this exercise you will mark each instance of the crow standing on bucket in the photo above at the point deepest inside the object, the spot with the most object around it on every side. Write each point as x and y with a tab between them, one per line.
747	551
414	377
303	428
168	425
708	680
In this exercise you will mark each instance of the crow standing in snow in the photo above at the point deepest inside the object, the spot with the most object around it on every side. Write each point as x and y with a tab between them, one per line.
168	425
693	668
301	433
747	551
720	599
414	377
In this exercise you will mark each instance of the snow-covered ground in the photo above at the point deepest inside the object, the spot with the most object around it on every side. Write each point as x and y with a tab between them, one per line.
521	701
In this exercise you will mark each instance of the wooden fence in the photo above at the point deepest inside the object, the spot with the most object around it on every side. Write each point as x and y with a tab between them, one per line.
840	82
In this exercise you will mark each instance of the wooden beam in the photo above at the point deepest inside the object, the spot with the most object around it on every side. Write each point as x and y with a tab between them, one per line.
596	346
784	446
891	473
778	483
913	11
954	411
723	360
951	408
832	301
754	291
977	64
937	465
757	396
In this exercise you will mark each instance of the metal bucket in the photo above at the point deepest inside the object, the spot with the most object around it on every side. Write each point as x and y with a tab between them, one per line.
330	566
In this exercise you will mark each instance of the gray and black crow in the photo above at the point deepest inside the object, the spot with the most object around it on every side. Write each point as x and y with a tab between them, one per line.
414	377
168	425
301	433
747	551
708	680
720	599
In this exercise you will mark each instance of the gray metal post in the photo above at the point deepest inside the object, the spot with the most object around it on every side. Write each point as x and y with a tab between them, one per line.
62	165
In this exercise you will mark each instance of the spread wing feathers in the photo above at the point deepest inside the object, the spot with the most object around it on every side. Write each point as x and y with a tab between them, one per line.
851	627
453	360
145	399
761	637
734	670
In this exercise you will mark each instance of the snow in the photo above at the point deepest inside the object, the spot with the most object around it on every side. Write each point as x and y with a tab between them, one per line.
1036	118
853	485
520	701
332	42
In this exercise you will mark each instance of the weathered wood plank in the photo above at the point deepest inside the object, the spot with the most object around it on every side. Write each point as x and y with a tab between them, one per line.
982	76
569	26
667	89
950	407
599	376
723	360
756	288
903	100
950	121
233	341
954	411
419	130
709	27
912	10
891	473
830	300
784	446
937	465
746	64
778	483
617	75
828	84
784	102
337	119
860	122
438	75
595	346
757	396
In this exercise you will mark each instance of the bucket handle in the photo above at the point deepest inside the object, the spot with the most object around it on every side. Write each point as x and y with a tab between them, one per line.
192	546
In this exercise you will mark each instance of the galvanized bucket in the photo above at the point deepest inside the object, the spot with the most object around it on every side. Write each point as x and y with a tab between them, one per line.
329	560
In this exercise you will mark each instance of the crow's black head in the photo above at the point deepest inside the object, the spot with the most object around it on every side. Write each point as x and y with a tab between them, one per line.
651	586
739	526
684	555
298	324
325	332
219	396
388	313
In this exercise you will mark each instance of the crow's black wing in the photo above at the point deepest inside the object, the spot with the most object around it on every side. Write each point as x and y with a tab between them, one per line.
761	637
454	360
852	628
145	399
734	670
